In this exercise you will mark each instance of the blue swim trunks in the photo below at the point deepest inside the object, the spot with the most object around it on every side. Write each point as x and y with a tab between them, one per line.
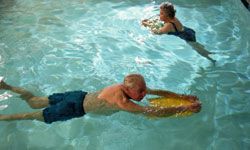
64	106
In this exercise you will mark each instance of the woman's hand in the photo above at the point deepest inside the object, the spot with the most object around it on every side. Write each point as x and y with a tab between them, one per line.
145	22
156	31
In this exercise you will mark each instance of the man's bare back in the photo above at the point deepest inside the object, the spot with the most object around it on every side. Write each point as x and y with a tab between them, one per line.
93	103
109	100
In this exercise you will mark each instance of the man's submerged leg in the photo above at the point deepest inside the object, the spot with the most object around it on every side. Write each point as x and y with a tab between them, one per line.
33	101
23	116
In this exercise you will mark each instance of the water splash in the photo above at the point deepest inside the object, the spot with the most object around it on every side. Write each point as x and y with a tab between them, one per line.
140	60
5	96
1	78
2	107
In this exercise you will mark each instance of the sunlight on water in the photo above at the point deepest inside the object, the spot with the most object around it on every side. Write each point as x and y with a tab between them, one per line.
56	46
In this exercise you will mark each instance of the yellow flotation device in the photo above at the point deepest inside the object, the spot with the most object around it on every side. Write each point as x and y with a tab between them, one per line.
168	102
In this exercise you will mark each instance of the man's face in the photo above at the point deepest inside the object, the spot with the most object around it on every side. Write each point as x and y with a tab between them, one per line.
138	91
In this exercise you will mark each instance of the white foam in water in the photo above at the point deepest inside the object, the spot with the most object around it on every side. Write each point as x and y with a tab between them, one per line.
247	91
140	60
1	78
5	96
2	107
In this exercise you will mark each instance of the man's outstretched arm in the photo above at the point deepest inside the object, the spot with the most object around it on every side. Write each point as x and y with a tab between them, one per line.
132	107
163	93
169	94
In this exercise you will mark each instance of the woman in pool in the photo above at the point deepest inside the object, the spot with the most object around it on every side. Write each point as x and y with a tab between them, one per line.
173	26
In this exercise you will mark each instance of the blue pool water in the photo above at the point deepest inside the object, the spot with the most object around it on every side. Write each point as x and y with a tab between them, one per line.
55	46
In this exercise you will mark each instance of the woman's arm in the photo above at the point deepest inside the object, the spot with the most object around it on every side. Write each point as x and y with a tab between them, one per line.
148	23
163	30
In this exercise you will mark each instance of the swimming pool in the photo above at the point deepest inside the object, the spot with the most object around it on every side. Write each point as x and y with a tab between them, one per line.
54	46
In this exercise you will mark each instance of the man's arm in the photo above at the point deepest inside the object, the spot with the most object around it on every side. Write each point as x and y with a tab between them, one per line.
169	94
132	107
163	93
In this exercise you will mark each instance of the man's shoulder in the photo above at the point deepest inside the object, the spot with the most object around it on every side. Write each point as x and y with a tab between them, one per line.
111	89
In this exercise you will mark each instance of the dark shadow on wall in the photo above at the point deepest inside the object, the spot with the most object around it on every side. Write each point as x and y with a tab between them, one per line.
192	3
246	3
5	6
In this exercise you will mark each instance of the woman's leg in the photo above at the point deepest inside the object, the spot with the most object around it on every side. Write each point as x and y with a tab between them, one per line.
201	50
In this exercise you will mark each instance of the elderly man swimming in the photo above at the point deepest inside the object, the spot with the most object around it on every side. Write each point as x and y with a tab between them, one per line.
118	97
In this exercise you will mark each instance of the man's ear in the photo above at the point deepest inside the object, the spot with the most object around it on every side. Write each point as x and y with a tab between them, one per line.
125	88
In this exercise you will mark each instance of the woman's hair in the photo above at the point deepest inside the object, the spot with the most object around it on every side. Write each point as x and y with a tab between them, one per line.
168	9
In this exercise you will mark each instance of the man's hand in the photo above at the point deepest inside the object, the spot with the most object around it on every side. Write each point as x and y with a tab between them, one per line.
190	98
195	107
